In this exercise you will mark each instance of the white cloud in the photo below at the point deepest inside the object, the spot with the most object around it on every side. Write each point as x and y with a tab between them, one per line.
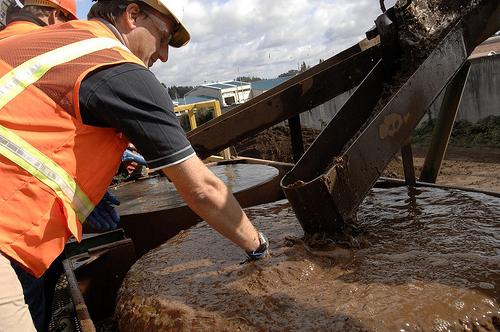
263	38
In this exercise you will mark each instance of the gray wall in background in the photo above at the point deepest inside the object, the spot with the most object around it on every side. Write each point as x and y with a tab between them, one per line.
481	97
482	91
319	117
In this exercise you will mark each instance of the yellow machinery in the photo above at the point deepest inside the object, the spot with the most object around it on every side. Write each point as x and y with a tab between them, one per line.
191	110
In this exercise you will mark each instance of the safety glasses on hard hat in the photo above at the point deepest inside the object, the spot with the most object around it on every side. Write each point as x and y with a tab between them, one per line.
65	16
165	31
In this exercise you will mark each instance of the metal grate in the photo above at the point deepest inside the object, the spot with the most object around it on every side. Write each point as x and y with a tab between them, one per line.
63	318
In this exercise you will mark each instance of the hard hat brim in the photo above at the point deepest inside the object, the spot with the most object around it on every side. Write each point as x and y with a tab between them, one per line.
181	36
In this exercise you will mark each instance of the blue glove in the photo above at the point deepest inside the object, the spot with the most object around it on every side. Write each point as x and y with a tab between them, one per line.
130	156
104	216
261	250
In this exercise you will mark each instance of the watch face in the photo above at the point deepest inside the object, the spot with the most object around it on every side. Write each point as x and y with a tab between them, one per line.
263	240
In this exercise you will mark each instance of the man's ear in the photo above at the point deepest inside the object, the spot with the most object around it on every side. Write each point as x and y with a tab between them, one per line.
131	14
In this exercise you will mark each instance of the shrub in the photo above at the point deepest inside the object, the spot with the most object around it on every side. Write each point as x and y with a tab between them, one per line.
484	133
201	117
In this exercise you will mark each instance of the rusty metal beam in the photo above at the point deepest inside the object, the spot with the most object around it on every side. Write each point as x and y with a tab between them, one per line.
408	167
329	182
81	310
394	124
296	137
384	182
444	125
307	90
306	185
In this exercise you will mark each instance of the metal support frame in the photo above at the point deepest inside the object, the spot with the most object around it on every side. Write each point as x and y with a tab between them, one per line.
444	125
296	137
307	185
98	288
408	167
80	307
331	180
94	271
334	174
301	93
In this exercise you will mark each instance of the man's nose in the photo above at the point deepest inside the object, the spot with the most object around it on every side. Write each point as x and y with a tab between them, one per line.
163	54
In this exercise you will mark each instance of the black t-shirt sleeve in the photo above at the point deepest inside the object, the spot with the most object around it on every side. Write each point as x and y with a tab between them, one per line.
130	99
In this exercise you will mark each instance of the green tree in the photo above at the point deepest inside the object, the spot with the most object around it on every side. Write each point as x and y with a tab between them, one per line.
177	92
248	79
303	67
291	72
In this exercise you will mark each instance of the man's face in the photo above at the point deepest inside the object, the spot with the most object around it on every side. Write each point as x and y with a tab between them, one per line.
149	40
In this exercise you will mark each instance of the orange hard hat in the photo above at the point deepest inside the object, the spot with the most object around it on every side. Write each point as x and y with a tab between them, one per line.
67	6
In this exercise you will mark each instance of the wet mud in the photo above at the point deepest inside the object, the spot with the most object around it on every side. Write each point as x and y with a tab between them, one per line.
421	24
425	260
421	19
257	146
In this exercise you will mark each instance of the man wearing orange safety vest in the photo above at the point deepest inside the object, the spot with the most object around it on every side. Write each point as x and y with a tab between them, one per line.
39	13
35	14
38	292
72	97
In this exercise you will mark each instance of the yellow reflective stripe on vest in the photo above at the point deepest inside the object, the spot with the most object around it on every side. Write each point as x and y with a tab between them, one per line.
24	154
19	78
44	169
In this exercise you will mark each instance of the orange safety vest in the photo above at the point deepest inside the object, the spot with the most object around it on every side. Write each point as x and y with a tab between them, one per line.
18	28
53	168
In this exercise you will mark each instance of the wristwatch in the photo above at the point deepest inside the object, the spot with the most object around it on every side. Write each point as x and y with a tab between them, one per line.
261	250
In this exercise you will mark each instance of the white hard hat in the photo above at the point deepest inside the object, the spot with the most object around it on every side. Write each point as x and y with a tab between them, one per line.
174	9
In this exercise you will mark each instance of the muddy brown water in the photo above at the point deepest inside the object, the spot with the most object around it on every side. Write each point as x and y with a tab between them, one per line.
428	260
158	193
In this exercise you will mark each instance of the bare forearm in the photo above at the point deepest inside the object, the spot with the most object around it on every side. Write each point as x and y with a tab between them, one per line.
222	212
211	200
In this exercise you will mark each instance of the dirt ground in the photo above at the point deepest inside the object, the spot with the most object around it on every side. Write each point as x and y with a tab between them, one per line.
464	167
477	168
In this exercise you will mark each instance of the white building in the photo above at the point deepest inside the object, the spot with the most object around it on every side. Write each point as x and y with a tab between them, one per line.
228	93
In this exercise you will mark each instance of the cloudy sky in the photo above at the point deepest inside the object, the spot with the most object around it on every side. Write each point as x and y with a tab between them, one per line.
264	38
